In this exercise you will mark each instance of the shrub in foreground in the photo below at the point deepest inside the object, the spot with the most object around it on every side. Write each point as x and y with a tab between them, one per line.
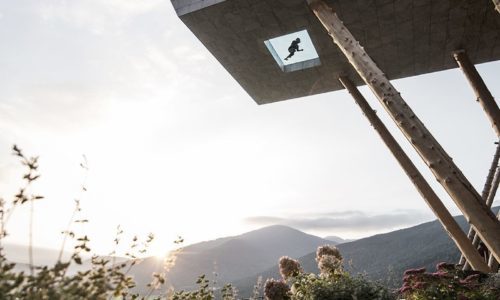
333	283
104	279
449	282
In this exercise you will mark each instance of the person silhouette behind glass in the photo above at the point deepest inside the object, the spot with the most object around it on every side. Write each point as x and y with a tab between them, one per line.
293	48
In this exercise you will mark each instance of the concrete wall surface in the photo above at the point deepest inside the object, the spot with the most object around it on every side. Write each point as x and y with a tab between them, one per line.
404	37
183	7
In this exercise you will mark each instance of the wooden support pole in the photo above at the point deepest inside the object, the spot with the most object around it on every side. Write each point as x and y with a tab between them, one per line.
423	187
492	262
489	202
482	92
497	5
490	107
444	169
493	173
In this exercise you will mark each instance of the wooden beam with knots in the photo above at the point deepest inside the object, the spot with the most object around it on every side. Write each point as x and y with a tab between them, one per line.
432	153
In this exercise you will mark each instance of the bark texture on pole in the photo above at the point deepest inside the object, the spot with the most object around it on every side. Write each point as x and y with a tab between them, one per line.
443	215
489	203
482	92
446	172
492	262
493	173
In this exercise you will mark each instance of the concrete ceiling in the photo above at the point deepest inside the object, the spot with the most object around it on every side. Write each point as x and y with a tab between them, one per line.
404	37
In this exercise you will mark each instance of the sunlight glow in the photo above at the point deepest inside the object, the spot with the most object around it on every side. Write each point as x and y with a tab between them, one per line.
176	147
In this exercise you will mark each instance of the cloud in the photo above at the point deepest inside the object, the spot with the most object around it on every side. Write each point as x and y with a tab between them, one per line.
96	15
345	220
57	107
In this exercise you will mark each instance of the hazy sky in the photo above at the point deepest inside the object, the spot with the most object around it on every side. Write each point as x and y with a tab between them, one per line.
280	45
176	147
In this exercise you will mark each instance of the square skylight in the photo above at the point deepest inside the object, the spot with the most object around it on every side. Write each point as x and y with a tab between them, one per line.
278	47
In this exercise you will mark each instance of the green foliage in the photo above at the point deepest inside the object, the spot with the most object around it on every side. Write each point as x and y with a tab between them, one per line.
101	282
449	282
257	289
336	287
104	279
332	284
204	292
228	292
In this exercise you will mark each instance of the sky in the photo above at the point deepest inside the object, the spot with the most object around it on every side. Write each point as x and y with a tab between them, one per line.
280	45
175	146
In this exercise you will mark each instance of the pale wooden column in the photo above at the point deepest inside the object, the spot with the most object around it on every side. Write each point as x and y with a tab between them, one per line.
497	5
488	195
492	262
490	107
446	172
482	92
489	203
443	215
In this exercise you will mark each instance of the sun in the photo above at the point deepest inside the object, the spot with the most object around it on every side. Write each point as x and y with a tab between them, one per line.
158	252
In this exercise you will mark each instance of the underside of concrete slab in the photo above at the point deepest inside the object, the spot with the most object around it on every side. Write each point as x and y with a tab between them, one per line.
404	37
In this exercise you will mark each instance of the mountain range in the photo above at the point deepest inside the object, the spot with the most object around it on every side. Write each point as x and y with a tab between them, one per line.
337	239
241	259
232	258
384	257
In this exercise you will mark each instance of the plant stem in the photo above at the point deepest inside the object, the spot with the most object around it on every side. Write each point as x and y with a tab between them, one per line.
32	205
63	245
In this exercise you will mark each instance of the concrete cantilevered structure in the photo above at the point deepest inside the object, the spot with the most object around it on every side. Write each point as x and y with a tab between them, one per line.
401	38
404	37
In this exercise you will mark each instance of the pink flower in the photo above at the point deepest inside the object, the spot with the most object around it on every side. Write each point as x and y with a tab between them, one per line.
419	285
439	274
414	271
445	266
405	289
472	277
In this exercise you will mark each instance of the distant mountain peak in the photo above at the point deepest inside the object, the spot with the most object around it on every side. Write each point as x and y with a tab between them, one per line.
275	229
338	239
261	248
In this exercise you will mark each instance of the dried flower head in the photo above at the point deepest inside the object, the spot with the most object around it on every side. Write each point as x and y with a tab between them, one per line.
445	266
289	267
276	290
405	289
419	285
329	264
414	271
327	250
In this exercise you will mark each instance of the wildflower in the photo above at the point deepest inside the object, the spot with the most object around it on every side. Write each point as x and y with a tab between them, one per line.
327	250
474	277
414	271
445	266
419	285
329	264
276	290
439	274
404	289
289	267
